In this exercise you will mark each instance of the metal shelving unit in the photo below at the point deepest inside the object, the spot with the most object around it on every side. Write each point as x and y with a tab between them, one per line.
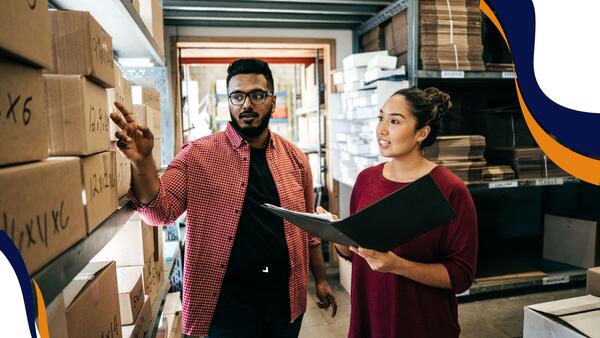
130	36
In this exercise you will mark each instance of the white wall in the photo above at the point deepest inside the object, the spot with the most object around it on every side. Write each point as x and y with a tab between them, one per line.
343	38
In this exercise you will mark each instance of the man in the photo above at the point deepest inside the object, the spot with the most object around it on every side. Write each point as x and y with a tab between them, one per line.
246	270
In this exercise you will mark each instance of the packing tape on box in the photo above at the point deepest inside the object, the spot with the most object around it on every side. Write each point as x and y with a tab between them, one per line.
452	34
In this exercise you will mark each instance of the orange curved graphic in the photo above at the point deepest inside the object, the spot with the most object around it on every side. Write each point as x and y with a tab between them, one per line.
41	308
582	167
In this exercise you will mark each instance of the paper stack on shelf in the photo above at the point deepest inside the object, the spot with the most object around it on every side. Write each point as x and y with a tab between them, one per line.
504	127
497	173
499	67
450	35
526	162
461	154
372	40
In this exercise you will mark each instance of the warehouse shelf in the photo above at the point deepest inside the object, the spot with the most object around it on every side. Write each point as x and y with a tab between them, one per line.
130	36
55	276
159	302
457	75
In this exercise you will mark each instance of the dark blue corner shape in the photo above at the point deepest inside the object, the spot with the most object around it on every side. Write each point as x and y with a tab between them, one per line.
14	257
574	129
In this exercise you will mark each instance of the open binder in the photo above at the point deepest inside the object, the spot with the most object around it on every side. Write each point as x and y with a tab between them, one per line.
390	222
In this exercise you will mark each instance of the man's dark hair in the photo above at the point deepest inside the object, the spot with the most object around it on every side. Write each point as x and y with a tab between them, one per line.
250	66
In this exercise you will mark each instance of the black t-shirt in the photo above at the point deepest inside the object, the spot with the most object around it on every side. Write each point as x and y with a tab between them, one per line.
259	264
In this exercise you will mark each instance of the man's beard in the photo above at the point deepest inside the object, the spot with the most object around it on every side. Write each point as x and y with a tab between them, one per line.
252	131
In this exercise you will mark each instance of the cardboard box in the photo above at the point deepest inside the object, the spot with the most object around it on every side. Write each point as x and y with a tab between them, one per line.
163	329
56	314
151	12
571	237
25	32
122	93
142	322
133	245
136	5
593	281
131	294
566	318
157	153
123	170
23	123
100	182
148	117
42	208
146	96
92	301
76	115
81	47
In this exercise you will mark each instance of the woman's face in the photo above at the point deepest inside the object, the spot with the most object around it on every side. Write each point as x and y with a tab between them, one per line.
396	134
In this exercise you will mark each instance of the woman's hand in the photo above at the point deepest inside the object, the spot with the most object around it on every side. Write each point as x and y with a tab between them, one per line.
380	261
343	251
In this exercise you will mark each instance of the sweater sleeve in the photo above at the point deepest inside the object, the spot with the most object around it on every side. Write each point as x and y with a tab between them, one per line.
459	242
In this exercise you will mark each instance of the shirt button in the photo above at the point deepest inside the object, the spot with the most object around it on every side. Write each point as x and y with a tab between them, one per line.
222	266
243	184
230	238
243	158
237	211
215	295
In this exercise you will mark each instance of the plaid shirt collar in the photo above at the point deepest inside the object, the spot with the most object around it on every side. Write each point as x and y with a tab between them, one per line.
238	140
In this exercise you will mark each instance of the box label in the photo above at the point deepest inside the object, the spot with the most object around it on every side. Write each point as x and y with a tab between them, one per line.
453	74
549	181
113	329
555	280
508	75
101	50
503	184
101	183
98	120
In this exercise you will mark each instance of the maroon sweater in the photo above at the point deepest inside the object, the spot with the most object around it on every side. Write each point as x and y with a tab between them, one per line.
388	305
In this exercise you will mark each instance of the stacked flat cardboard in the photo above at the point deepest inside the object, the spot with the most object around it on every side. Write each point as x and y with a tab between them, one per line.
23	123
499	67
504	127
396	37
566	318
100	183
467	171
450	35
25	32
571	237
76	115
373	40
526	162
497	173
504	267
82	47
42	208
92	302
456	148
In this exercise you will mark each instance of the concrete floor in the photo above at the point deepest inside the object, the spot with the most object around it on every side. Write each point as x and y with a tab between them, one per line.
501	316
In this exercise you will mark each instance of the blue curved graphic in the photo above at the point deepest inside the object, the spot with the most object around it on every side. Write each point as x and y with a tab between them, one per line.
16	261
572	128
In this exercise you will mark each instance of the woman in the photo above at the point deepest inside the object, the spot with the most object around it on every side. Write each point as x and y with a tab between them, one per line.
410	291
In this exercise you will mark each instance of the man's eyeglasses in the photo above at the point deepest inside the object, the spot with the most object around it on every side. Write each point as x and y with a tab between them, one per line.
256	97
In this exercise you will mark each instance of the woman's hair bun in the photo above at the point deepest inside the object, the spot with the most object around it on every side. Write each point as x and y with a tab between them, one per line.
440	100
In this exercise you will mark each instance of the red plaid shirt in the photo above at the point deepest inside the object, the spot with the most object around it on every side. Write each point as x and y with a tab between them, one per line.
208	179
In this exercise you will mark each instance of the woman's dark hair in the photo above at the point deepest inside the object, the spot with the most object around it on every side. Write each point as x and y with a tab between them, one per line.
250	66
429	107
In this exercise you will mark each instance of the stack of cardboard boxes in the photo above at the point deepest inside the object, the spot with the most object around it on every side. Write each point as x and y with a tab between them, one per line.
146	105
461	154
367	81
40	199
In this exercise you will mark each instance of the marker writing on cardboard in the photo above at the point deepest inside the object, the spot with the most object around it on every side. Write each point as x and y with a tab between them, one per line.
98	120
40	222
113	329
100	49
101	182
14	108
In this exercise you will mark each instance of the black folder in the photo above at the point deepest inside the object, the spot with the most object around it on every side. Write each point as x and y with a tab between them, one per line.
392	221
